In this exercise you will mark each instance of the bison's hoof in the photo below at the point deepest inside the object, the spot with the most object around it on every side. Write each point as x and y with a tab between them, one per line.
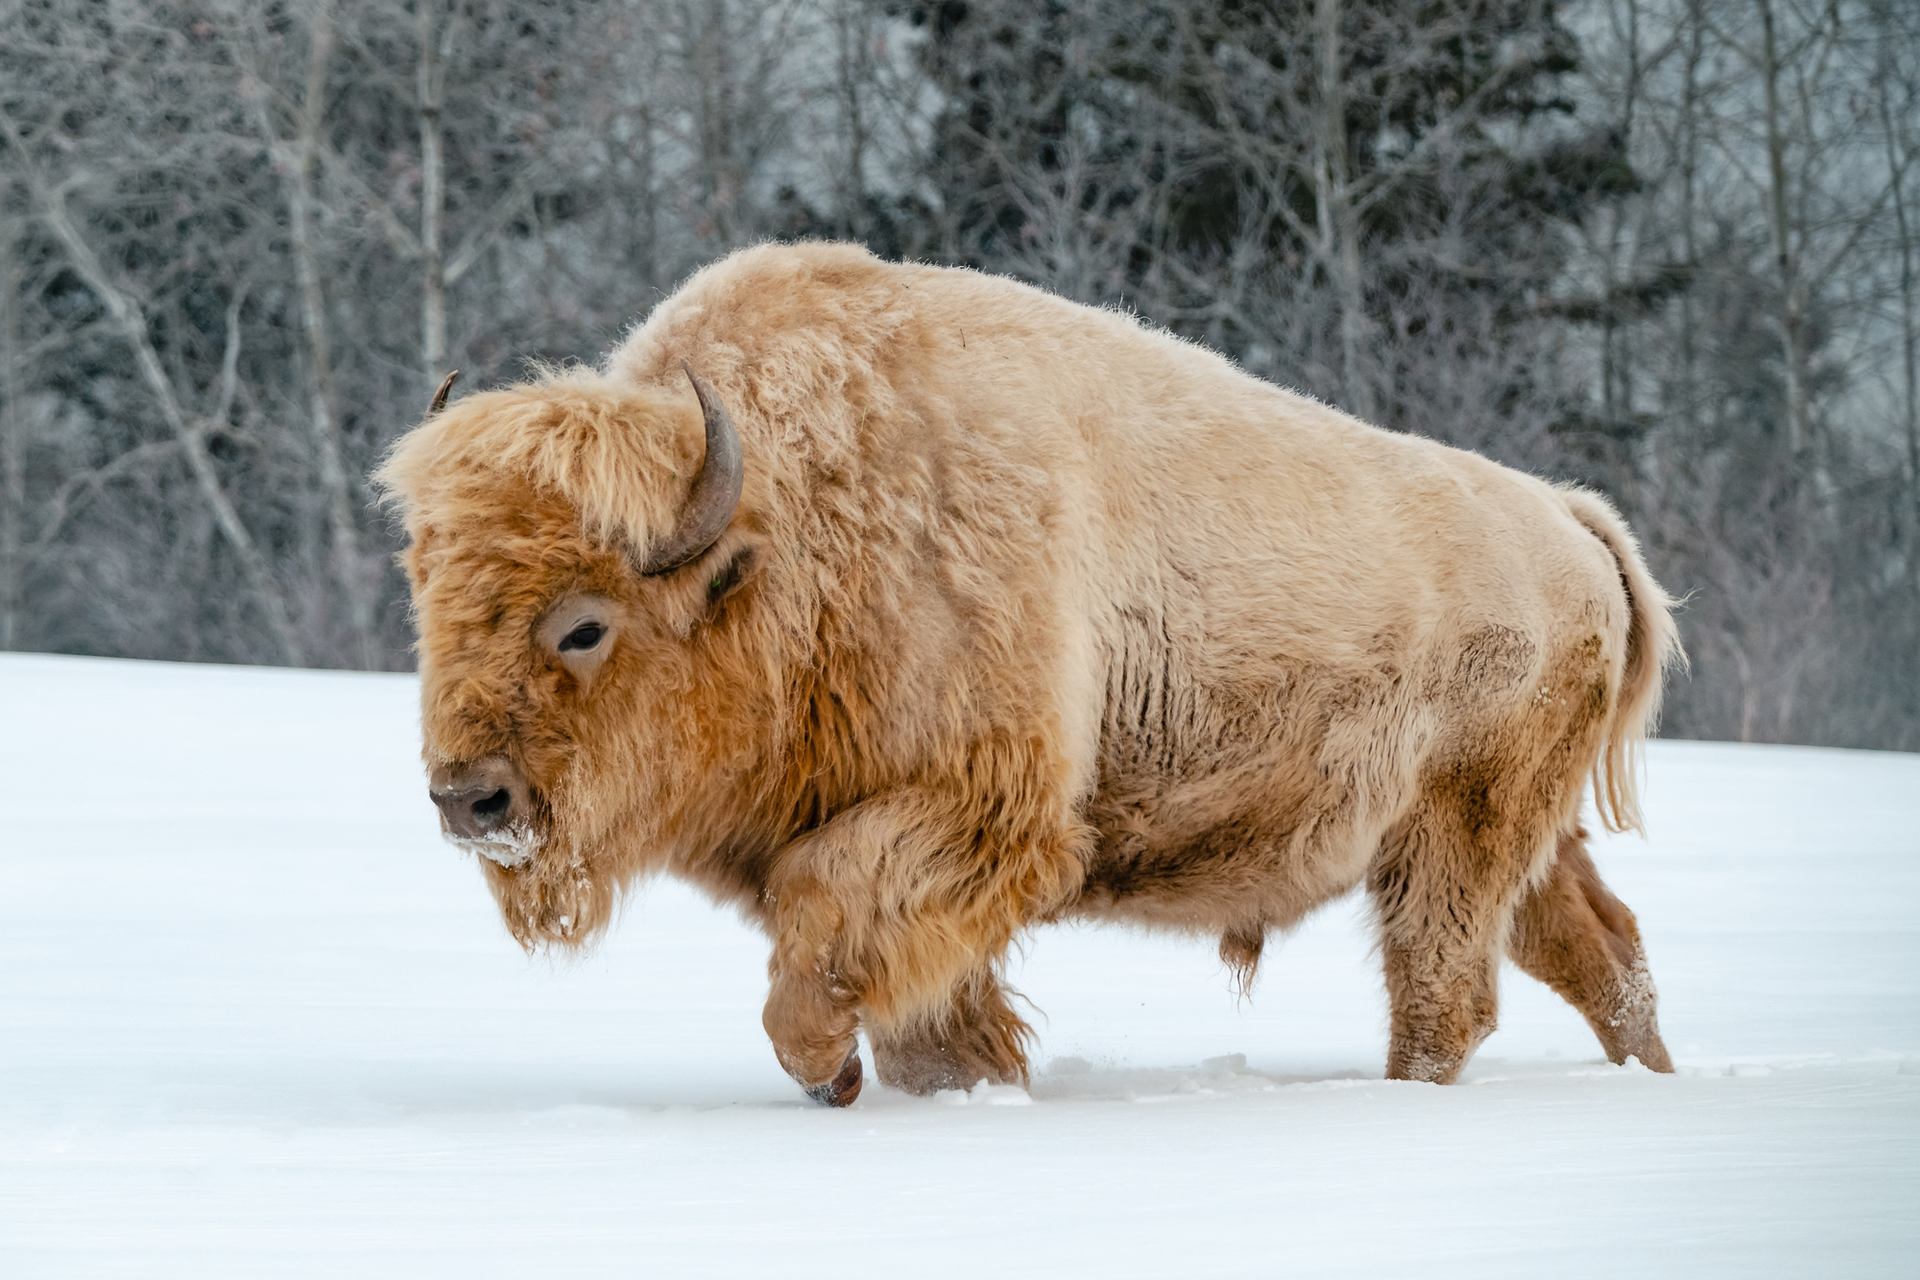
843	1088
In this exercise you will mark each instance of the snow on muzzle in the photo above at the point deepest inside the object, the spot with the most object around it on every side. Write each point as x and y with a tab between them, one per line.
486	807
509	848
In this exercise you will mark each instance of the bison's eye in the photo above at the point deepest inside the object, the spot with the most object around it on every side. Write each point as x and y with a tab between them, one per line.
578	632
581	638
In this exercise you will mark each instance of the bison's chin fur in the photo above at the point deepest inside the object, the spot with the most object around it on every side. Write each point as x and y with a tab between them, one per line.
605	816
551	902
563	894
557	899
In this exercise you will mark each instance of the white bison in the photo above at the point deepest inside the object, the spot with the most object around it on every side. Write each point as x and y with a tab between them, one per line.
933	606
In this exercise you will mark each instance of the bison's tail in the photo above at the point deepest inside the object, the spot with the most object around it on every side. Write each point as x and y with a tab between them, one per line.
1653	644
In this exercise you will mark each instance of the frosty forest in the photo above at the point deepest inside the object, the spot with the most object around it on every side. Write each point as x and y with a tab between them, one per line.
1670	248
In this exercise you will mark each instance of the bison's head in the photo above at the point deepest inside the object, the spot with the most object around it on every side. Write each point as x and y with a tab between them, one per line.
580	560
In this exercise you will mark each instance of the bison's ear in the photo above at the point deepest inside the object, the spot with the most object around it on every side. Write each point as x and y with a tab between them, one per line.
717	582
731	574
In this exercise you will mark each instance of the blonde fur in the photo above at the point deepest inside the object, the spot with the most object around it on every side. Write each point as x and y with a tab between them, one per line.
1027	611
1653	645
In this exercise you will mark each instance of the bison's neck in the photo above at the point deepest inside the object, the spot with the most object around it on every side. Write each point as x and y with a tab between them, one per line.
822	766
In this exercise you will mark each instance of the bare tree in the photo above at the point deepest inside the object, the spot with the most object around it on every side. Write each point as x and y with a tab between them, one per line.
296	159
184	425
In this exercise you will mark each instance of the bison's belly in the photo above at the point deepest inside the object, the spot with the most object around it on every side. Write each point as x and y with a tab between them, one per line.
1256	845
1244	795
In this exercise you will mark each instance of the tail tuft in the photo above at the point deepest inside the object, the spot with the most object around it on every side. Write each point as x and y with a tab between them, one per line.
1653	645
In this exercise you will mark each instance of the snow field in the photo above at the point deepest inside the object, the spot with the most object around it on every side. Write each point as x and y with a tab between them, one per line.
256	1018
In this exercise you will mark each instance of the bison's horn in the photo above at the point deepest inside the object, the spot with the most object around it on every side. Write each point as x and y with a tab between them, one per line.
715	492
440	396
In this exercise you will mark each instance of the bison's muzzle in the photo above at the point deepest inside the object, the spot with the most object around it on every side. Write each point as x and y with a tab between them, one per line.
485	806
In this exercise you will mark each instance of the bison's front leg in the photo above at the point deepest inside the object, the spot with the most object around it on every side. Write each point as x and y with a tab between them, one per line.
977	1037
895	913
812	1012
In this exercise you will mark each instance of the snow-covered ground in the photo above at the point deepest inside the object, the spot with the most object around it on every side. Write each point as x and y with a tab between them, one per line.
256	1019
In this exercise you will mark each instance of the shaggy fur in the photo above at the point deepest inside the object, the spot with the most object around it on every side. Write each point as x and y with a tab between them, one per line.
1030	611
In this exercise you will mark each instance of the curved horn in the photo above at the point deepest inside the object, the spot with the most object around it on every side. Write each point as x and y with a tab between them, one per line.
440	396
715	492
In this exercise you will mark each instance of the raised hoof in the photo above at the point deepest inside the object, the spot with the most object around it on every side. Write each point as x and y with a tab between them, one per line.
843	1088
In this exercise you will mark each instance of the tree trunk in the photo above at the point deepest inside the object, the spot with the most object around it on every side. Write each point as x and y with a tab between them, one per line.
1339	229
349	574
1689	230
1786	258
430	82
713	70
1897	164
1616	378
850	41
13	481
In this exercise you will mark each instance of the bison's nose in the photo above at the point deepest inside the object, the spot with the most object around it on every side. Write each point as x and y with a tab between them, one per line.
478	799
474	811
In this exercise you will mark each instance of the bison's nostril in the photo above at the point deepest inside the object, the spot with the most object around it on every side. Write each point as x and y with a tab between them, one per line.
489	811
480	799
475	812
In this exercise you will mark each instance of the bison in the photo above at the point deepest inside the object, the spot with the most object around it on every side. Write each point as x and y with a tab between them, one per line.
906	607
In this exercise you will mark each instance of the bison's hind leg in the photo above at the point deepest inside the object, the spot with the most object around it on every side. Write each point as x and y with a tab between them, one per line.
1574	935
1444	887
976	1037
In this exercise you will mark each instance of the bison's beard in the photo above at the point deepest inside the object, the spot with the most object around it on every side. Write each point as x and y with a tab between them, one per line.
550	902
557	887
605	819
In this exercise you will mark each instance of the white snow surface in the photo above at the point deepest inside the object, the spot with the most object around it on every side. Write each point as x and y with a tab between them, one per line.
256	1018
